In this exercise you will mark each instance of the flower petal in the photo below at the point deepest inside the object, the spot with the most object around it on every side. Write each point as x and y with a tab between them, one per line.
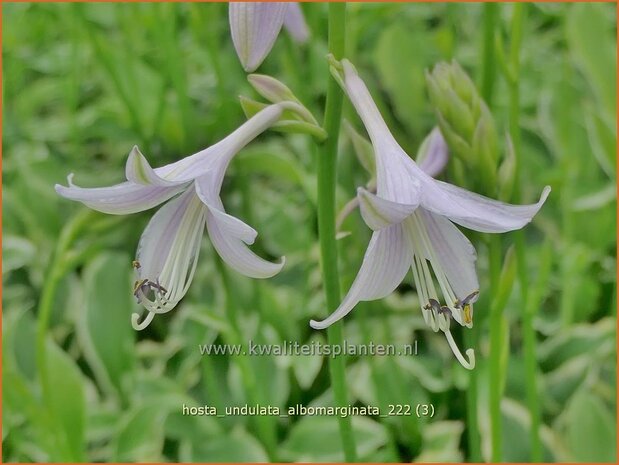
378	213
207	189
475	211
455	253
171	239
294	22
366	108
139	171
395	170
120	199
433	153
254	27
167	255
217	156
384	266
230	235
235	252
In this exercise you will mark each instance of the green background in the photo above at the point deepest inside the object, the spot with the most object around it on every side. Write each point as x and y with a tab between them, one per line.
83	83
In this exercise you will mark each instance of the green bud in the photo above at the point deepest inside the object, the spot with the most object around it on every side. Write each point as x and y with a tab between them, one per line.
485	149
270	88
463	85
275	92
363	149
300	127
465	121
251	107
506	172
459	146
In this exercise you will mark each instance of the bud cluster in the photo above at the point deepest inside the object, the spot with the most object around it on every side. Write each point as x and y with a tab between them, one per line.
464	120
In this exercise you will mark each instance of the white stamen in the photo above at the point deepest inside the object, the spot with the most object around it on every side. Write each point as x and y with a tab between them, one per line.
160	294
470	353
135	318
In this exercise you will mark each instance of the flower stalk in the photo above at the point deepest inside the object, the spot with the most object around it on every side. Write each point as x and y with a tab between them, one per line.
326	175
496	317
530	357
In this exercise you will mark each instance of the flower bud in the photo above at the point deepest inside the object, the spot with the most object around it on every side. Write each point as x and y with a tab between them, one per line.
295	117
275	92
464	120
254	27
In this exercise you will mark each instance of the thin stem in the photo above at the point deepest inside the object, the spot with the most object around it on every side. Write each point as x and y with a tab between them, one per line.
326	176
488	77
264	425
530	358
473	436
487	51
57	270
496	351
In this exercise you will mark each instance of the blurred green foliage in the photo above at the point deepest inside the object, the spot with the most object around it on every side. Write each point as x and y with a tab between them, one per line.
83	83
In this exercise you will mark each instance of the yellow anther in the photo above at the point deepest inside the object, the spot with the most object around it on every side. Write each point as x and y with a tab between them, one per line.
467	314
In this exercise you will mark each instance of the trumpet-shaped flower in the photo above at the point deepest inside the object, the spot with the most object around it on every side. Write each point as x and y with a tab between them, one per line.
412	217
168	250
255	26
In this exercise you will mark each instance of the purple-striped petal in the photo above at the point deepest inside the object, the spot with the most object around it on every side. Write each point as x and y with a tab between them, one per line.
120	199
294	22
217	156
476	211
378	213
254	27
384	266
433	153
230	235
139	171
454	252
167	255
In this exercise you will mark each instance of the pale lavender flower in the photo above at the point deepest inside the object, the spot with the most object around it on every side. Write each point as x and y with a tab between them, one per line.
294	22
168	250
255	26
411	216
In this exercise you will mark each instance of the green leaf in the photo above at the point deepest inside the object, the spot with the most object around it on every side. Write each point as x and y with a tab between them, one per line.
239	446
580	340
590	33
306	367
140	438
317	439
441	442
603	139
401	56
591	429
516	434
67	404
105	328
16	253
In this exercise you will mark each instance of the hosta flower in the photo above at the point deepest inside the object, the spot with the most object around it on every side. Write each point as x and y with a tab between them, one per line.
294	22
412	217
256	25
431	158
168	250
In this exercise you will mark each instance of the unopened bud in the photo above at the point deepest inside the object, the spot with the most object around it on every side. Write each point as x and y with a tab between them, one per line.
464	120
276	91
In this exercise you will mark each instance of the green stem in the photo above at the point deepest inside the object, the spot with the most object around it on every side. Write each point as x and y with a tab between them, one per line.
326	176
473	436
530	357
264	424
487	51
57	270
488	77
497	343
